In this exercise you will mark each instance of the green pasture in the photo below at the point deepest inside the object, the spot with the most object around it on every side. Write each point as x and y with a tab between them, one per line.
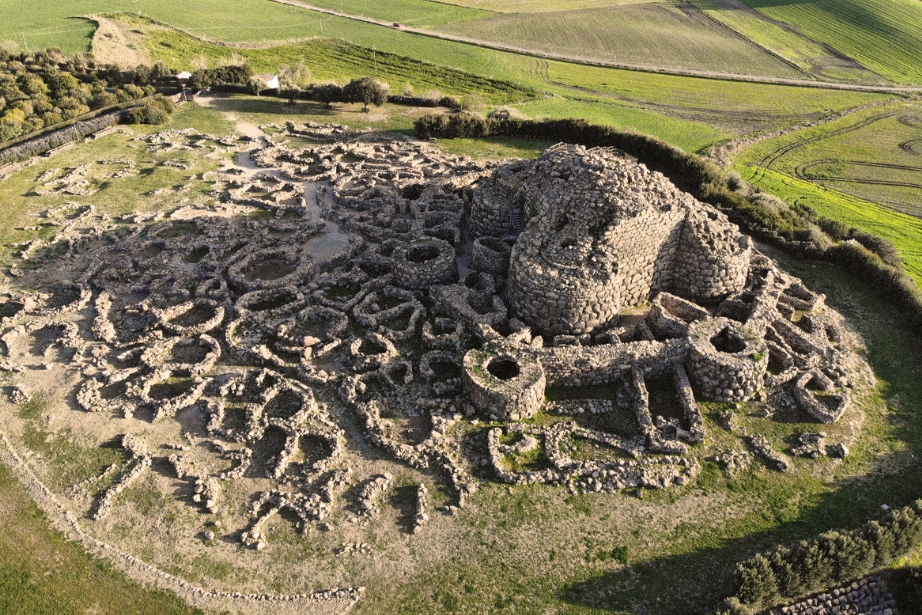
338	61
875	155
654	34
416	13
693	112
903	230
883	35
788	43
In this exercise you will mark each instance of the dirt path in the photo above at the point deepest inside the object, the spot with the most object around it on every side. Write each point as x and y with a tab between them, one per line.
114	43
831	85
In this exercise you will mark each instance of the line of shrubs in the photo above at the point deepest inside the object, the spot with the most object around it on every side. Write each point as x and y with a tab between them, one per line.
74	132
830	559
154	111
796	228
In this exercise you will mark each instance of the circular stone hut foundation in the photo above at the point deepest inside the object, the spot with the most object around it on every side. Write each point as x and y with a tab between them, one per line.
504	382
725	362
424	263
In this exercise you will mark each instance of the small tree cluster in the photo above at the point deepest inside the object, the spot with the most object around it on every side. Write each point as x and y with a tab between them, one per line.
45	88
829	559
231	74
154	112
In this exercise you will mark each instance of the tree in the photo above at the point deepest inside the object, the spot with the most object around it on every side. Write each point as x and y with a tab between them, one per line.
294	76
366	91
327	93
255	85
756	581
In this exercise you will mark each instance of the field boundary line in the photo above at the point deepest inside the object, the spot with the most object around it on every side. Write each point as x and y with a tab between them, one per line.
662	70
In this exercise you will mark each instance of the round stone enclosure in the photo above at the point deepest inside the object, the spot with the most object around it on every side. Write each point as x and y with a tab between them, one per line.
725	361
424	263
504	382
491	254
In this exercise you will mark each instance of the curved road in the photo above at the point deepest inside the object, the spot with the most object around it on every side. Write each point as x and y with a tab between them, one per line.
831	85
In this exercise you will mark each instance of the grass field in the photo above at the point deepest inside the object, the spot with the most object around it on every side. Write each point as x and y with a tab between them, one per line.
416	13
339	61
875	155
884	35
806	53
903	230
679	109
43	574
659	34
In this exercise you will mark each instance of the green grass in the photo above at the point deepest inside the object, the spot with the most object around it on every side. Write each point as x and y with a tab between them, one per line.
786	42
904	231
655	34
416	13
41	573
875	155
338	61
114	197
883	35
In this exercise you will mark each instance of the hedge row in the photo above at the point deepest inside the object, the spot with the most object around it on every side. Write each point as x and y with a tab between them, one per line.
830	559
796	229
74	132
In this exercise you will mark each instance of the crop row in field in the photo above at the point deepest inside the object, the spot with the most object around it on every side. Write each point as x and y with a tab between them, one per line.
874	155
903	230
655	34
884	35
418	13
817	59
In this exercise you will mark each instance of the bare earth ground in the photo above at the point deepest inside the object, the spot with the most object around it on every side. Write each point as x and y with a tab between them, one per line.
115	43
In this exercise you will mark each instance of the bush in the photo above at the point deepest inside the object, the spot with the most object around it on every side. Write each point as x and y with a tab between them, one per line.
829	559
836	229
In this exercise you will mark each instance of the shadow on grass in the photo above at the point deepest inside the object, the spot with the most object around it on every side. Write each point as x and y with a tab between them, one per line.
696	581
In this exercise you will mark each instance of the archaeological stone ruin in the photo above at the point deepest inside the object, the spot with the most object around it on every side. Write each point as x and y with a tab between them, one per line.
342	292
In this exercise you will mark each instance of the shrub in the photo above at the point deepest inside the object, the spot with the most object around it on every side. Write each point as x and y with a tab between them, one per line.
836	229
830	558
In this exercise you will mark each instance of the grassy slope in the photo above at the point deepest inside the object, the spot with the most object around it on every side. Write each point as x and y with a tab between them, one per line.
876	140
658	34
904	231
803	51
417	13
884	35
43	574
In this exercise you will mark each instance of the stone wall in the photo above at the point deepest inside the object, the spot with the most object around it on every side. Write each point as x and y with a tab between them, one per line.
571	366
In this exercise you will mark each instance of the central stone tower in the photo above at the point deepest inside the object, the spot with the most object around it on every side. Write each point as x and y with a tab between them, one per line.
604	233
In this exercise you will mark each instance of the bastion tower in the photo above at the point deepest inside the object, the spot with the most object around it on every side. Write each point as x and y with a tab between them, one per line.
598	233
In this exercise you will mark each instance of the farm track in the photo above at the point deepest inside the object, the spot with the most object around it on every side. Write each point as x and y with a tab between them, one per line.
801	171
831	85
910	147
773	157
